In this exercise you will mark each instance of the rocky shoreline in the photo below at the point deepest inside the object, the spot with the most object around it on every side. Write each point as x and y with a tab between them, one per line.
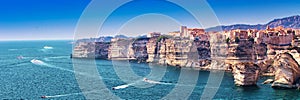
246	54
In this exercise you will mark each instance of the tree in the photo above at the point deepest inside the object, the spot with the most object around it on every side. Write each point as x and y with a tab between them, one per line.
251	39
162	37
237	39
228	40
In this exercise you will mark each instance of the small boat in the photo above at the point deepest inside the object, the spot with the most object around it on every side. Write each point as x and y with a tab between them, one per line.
36	61
43	96
145	79
20	57
150	81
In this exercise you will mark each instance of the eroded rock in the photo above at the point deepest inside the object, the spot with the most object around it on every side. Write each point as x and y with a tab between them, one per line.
268	81
287	71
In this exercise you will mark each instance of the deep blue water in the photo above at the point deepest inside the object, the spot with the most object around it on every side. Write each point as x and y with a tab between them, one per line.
22	79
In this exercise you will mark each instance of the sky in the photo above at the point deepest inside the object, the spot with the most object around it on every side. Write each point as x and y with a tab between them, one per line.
57	19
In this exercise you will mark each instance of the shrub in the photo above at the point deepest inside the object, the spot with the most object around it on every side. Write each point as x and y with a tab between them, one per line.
237	40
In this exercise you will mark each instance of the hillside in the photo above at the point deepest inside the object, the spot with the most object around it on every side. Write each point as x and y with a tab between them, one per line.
287	22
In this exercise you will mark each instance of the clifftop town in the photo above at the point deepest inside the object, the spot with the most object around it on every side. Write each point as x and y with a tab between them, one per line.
248	53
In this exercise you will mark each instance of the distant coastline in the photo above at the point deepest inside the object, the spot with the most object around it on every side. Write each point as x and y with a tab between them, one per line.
37	40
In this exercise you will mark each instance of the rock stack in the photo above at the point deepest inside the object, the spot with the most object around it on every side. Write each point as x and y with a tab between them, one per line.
245	73
241	57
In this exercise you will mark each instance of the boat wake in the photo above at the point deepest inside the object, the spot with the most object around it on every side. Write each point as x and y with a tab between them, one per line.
14	64
57	57
13	49
70	94
122	86
145	80
155	82
41	63
63	95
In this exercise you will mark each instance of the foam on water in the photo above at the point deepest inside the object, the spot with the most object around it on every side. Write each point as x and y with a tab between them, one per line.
46	59
148	81
57	57
156	82
48	47
41	63
64	95
12	49
14	64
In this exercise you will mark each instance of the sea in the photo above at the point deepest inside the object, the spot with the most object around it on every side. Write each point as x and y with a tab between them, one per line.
36	69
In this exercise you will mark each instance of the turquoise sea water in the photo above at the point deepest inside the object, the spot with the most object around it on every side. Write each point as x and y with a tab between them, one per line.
22	79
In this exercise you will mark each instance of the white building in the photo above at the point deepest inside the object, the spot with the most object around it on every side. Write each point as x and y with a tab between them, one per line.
153	34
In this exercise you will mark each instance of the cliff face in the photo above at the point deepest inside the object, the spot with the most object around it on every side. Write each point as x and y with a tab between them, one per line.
245	73
241	52
260	51
119	49
84	50
169	51
178	52
203	51
218	49
101	50
138	49
152	49
128	49
162	53
287	71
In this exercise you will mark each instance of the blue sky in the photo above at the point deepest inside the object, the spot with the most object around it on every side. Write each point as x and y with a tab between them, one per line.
57	19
